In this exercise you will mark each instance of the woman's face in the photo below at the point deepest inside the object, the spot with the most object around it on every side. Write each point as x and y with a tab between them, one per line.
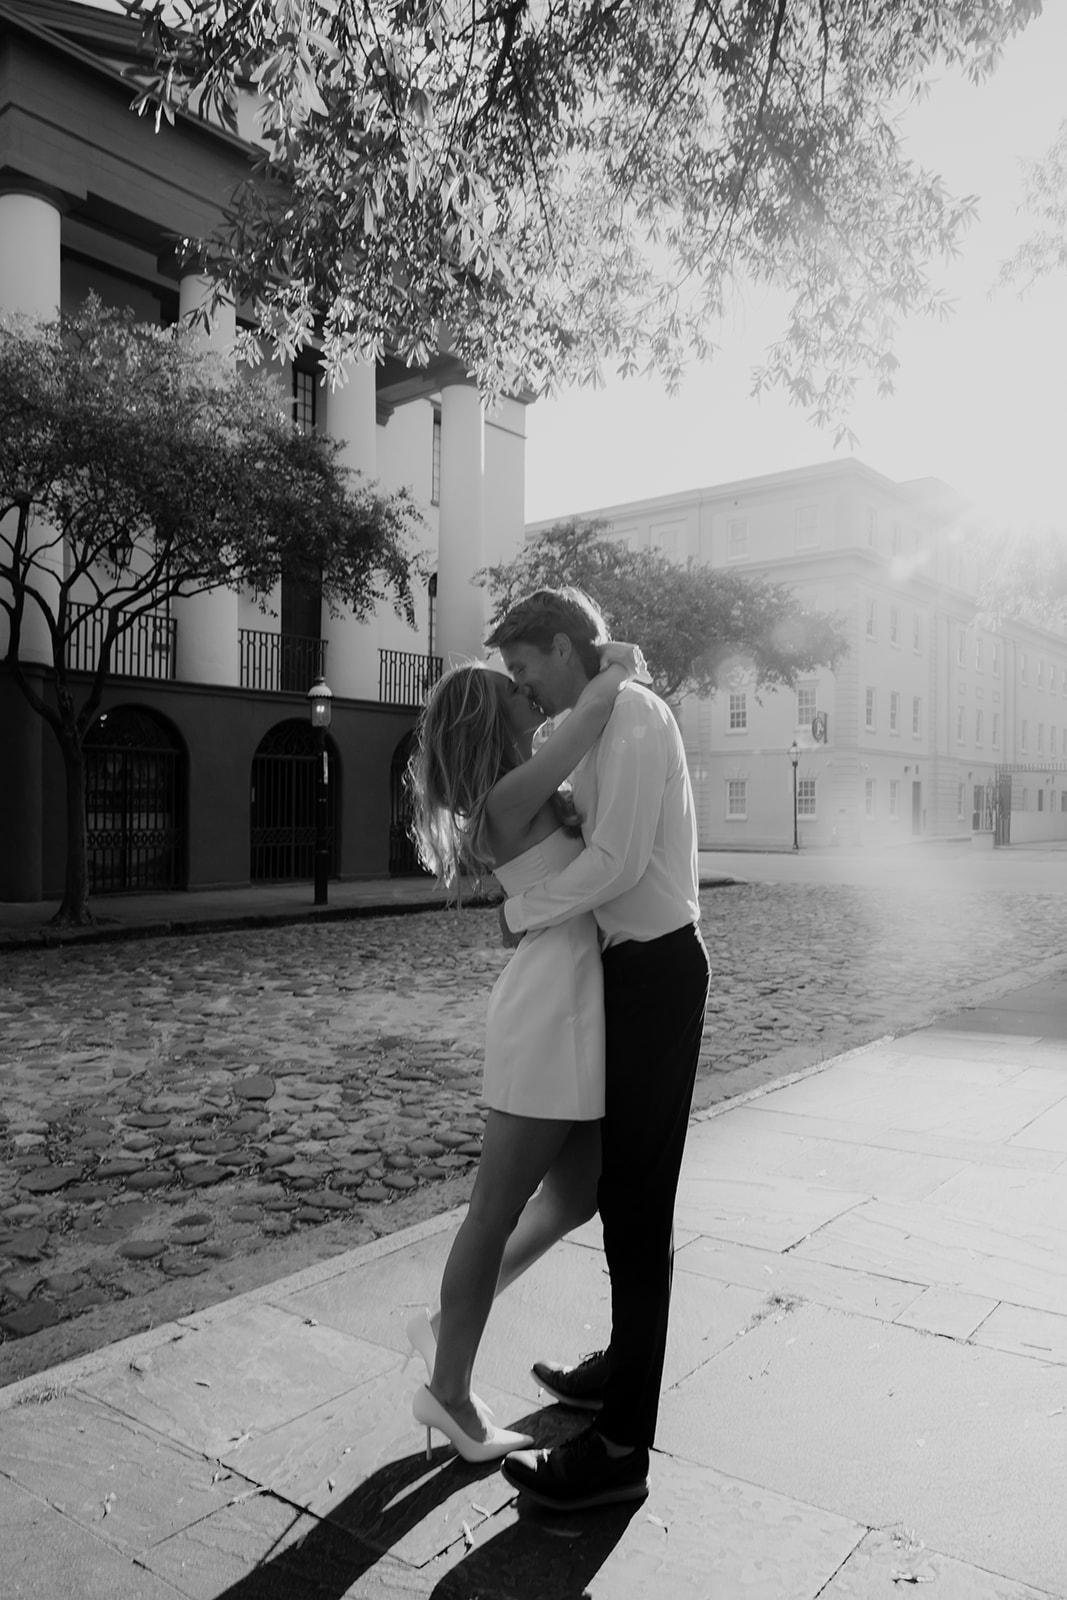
522	717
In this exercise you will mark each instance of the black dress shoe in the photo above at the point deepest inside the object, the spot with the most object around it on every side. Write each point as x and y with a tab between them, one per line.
578	1475
581	1386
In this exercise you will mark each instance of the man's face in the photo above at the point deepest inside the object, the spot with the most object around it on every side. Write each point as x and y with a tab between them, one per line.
542	675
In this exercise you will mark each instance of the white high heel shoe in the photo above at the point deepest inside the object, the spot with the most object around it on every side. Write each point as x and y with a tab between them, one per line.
422	1339
432	1414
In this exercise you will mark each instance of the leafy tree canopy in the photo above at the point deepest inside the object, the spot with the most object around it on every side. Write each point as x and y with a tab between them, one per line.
700	628
551	189
136	468
1022	574
1045	198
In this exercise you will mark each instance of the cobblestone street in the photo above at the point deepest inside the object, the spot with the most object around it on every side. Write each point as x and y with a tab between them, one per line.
184	1118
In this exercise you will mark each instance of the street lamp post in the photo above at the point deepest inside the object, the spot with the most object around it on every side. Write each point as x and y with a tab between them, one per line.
319	697
794	756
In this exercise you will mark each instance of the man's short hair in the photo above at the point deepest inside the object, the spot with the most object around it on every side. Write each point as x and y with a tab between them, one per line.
538	617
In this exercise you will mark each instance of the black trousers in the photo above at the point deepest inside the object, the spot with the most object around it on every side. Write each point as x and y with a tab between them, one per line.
655	994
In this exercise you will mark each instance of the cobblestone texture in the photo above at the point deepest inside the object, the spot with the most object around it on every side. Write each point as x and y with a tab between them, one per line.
183	1118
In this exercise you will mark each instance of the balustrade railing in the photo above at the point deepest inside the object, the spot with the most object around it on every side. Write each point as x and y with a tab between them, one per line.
145	649
405	678
280	661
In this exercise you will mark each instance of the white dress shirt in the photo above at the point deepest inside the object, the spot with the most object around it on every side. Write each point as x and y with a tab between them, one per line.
638	873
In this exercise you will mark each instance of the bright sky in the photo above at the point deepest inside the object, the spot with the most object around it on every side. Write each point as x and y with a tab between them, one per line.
981	400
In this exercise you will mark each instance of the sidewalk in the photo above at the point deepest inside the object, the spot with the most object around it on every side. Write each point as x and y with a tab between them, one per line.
866	1384
26	924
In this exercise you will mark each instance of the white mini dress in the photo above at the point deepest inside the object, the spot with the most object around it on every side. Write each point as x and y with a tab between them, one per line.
544	1039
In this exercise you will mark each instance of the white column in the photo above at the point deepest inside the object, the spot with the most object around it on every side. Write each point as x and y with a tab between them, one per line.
352	647
207	624
460	606
30	286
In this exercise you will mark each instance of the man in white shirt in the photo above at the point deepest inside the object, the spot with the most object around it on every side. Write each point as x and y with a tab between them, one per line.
638	875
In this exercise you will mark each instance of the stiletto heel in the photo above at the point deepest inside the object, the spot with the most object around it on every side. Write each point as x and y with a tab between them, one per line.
428	1410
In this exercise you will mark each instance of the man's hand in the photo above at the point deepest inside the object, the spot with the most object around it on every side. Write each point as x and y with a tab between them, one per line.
510	940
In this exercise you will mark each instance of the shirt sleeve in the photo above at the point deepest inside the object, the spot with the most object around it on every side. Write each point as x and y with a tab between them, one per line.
632	765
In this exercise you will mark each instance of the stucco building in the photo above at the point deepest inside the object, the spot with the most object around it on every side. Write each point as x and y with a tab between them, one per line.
933	716
200	767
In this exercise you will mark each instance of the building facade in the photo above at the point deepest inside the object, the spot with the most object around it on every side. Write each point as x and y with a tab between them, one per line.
933	725
201	763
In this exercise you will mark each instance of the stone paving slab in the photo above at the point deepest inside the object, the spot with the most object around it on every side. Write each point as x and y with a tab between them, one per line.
120	1481
887	1564
239	1378
889	1426
45	1556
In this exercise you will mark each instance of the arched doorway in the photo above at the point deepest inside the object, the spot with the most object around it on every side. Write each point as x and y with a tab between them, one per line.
282	823
403	861
135	779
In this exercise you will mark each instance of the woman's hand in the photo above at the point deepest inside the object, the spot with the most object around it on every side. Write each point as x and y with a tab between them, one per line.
628	657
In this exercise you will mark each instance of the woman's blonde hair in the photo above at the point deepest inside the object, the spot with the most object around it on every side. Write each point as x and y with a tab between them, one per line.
463	747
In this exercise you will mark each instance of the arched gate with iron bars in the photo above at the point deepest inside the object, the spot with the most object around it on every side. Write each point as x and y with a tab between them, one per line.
282	821
135	774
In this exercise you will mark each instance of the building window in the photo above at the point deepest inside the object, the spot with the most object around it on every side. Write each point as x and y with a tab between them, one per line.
738	711
977	655
959	724
1024	796
304	400
806	797
872	618
1041	799
959	799
917	633
736	538
994	665
868	798
894	712
1063	800
807	526
868	714
737	798
1052	738
1052	679
996	730
807	704
978	727
960	646
1024	734
894	625
1041	674
872	528
1041	738
435	467
894	799
1023	667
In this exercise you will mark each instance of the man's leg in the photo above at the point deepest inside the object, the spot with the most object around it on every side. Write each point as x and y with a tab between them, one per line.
655	998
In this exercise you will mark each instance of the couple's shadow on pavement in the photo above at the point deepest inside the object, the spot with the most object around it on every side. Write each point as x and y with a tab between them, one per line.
536	1555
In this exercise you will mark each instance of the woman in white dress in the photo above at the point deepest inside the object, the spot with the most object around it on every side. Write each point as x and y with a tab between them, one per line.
484	800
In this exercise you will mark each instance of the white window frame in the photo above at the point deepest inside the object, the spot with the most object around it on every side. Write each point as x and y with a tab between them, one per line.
736	788
806	524
870	710
894	799
868	799
1024	734
807	798
894	626
960	724
916	717
894	712
872	618
807	689
996	730
735	711
917	634
736	538
978	726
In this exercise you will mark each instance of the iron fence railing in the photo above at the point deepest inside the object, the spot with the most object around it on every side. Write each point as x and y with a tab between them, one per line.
405	678
280	661
145	649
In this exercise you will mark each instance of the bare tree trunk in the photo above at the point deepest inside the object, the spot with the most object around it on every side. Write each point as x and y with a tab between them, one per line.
74	907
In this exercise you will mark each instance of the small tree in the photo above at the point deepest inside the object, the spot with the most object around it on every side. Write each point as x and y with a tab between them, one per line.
136	469
697	625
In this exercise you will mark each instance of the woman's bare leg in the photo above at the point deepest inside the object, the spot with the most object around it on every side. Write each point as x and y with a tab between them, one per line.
566	1199
516	1154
